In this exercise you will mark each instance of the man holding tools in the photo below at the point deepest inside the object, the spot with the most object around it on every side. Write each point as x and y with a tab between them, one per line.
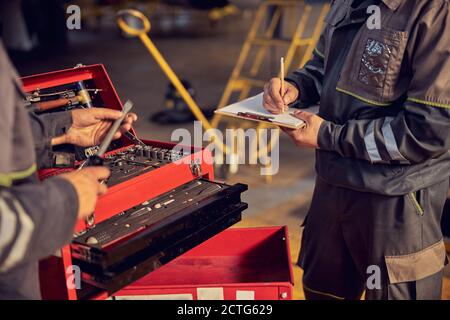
37	218
382	138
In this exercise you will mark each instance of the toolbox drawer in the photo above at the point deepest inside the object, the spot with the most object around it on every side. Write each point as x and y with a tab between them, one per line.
131	245
237	264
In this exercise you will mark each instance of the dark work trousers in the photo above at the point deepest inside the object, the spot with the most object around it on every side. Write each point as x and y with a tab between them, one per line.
391	247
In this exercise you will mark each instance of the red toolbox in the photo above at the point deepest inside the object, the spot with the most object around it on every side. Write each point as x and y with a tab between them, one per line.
161	201
237	264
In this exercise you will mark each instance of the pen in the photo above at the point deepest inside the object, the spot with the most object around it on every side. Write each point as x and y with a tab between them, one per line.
282	79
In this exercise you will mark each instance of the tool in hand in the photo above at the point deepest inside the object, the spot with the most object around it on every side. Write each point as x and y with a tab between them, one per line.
97	160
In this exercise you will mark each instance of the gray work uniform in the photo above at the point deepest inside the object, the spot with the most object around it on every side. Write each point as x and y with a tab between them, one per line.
383	160
36	218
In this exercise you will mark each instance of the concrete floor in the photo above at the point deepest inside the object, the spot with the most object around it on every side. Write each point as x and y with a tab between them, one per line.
207	60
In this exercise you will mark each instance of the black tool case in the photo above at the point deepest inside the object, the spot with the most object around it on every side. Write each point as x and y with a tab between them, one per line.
130	245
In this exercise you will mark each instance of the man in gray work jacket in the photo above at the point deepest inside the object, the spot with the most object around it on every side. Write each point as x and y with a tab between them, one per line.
37	218
382	138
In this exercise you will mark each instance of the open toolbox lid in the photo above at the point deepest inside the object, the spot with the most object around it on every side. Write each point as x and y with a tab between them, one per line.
91	77
95	73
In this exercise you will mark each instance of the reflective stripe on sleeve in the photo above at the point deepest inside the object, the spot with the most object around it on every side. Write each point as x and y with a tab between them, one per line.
371	146
22	241
389	140
8	224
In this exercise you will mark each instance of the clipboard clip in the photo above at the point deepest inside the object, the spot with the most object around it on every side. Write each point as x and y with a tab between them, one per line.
254	116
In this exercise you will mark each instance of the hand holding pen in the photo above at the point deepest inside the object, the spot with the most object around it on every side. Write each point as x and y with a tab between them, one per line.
278	94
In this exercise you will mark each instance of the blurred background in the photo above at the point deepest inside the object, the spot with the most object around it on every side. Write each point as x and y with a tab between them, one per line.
223	50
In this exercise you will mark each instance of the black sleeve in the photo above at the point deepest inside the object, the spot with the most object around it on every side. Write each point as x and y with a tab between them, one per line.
44	128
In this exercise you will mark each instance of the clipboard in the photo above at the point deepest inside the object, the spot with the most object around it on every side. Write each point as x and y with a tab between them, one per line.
252	109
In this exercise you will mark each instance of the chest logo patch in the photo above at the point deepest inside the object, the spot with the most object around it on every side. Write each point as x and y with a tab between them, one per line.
374	63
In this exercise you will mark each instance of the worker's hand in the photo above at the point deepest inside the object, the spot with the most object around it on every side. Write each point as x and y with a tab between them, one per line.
275	101
307	136
87	184
90	126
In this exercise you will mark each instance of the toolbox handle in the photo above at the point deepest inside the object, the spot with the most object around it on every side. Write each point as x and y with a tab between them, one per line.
133	31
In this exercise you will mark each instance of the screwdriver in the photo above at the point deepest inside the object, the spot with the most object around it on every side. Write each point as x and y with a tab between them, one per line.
97	160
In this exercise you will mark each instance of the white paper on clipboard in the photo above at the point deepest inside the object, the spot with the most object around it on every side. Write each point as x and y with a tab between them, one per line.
245	109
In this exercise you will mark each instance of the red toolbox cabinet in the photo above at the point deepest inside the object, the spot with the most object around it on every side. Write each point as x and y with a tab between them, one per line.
237	264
